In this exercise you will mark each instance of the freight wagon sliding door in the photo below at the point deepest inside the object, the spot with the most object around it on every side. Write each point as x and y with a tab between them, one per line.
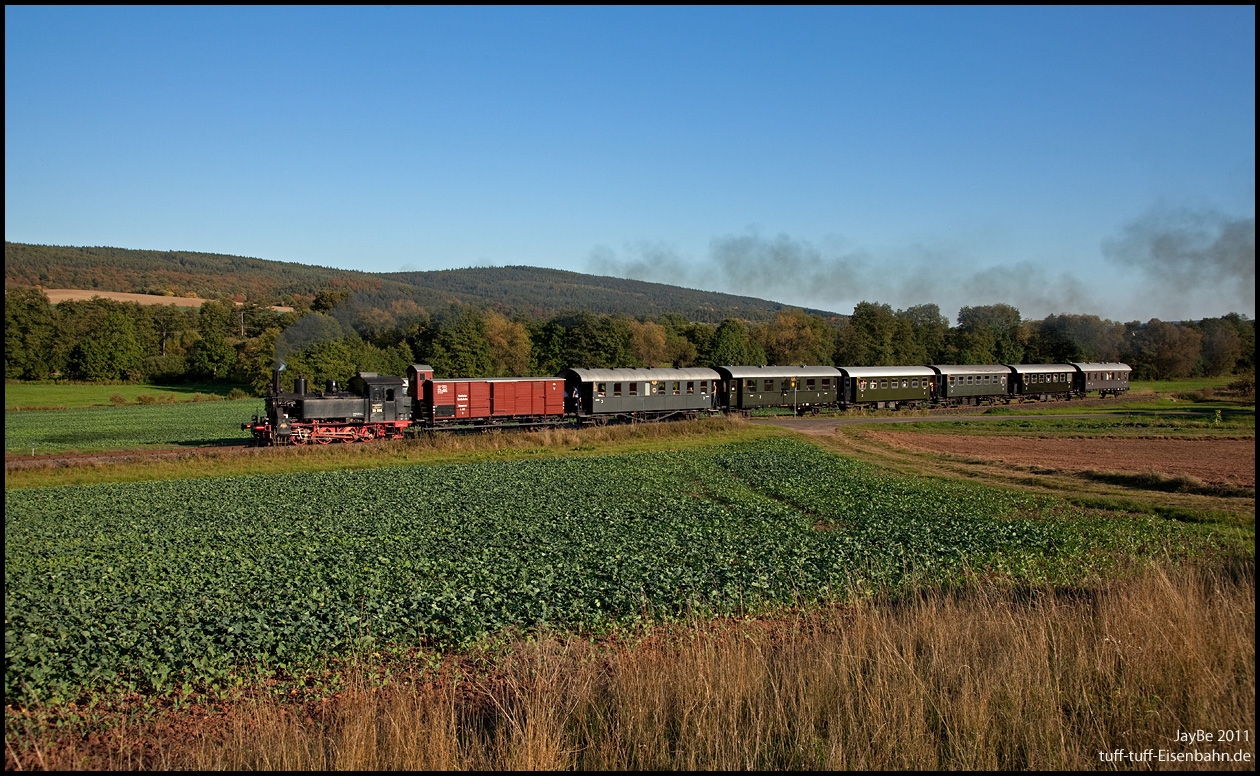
478	400
553	397
503	399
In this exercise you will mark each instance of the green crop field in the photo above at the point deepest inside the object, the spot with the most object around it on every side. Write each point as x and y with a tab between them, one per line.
65	395
132	426
153	586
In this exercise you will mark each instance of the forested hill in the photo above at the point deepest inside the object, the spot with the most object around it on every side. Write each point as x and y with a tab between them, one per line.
540	292
531	291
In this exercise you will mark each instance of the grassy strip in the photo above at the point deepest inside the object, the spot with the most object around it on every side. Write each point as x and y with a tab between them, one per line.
46	395
1234	424
983	678
95	429
430	449
1186	385
1170	484
1129	405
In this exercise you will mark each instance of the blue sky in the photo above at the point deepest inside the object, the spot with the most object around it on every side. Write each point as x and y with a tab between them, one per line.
1063	160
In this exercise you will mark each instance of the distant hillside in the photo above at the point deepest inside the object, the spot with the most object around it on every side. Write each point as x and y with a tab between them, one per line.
530	291
538	291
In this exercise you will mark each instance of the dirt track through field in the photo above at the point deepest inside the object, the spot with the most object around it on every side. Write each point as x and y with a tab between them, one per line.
1231	461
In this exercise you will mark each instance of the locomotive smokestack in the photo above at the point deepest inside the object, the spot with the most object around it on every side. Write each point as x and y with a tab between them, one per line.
275	381
299	386
330	386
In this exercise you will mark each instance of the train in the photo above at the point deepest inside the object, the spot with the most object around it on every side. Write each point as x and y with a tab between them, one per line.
373	406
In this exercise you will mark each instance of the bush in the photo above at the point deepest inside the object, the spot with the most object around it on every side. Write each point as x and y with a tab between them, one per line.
1245	385
145	398
237	393
117	399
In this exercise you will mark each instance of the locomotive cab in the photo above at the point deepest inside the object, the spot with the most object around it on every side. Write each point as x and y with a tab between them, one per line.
384	396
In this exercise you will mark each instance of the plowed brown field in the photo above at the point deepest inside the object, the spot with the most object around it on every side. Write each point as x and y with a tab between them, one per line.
1231	461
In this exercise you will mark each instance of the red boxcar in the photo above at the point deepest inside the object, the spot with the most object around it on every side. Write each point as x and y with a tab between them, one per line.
494	400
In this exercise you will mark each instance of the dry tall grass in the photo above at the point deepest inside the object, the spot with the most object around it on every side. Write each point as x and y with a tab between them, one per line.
989	678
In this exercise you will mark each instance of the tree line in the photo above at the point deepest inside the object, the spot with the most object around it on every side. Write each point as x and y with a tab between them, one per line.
335	336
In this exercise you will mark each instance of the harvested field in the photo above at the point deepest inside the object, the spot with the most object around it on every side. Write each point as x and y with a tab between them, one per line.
1218	461
56	295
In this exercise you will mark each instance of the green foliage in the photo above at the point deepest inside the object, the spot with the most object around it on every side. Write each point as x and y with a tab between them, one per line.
326	300
1060	339
733	345
875	336
546	353
1159	351
1223	343
989	334
597	342
110	353
211	355
460	347
796	337
29	332
931	333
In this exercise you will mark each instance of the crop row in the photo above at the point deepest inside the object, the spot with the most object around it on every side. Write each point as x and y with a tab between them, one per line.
149	585
104	428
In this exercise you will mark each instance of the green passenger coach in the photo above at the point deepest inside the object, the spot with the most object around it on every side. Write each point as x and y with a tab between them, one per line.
888	387
803	388
1042	381
640	394
971	383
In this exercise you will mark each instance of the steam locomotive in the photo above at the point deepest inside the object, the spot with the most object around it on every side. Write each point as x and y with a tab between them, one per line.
375	406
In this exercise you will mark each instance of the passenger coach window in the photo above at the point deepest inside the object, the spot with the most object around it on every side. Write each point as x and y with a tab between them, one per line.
704	386
616	389
809	385
883	383
769	385
691	387
914	383
675	388
750	385
826	383
634	389
601	389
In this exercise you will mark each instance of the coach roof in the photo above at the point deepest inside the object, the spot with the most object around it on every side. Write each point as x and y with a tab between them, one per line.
1026	368
1102	366
613	375
887	371
972	369
743	372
